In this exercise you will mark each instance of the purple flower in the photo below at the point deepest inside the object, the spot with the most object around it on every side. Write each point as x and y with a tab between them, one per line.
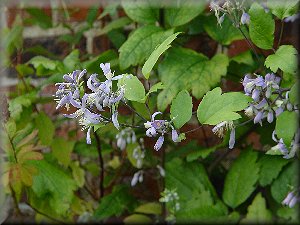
69	99
159	143
75	77
174	135
270	116
245	19
114	119
255	94
278	111
258	117
291	199
232	139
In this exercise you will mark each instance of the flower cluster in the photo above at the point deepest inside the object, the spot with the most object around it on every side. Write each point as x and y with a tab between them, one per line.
172	199
224	126
124	137
235	10
261	90
101	96
155	127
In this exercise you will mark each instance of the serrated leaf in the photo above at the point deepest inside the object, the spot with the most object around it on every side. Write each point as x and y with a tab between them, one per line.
196	72
42	61
225	34
141	11
283	9
181	109
286	126
270	167
45	127
159	50
134	89
183	12
52	189
197	197
286	182
61	150
261	27
140	44
216	107
258	212
121	200
285	58
241	179
150	208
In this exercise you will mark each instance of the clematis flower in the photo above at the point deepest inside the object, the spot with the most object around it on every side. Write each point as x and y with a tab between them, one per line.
87	118
155	127
74	77
220	129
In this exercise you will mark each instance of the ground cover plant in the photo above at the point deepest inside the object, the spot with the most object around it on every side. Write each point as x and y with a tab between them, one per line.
187	112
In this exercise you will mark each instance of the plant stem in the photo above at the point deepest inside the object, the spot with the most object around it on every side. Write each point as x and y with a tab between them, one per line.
101	162
281	33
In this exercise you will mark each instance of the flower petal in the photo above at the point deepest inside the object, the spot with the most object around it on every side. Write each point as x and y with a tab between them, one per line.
159	143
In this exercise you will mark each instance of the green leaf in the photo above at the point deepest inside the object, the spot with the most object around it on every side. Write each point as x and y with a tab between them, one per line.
137	219
285	58
141	11
46	128
197	197
216	107
39	17
62	149
261	27
155	88
42	61
114	203
150	208
258	212
241	179
92	65
13	38
159	50
286	126
283	9
293	95
270	167
196	72
134	89
115	24
181	109
24	70
78	173
183	12
51	189
72	60
286	182
244	58
92	15
140	44
11	128
17	104
200	153
225	34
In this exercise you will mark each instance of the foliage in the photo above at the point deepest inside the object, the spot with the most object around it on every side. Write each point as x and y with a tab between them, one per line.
139	144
